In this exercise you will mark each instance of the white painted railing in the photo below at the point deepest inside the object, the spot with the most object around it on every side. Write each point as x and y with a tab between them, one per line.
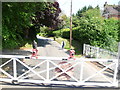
97	52
43	70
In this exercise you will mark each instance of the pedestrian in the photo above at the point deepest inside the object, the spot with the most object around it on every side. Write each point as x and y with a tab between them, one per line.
63	44
34	44
54	38
34	50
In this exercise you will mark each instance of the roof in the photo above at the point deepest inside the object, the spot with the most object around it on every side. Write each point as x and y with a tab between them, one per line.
112	9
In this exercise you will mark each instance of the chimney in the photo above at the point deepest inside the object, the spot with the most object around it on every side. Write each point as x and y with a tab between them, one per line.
105	4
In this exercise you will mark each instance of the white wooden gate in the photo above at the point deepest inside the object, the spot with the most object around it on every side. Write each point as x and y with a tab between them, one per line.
42	70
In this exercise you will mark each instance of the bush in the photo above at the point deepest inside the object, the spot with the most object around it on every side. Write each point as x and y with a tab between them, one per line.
94	30
61	31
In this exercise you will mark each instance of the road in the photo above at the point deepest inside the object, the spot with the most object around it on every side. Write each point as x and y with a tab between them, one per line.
50	48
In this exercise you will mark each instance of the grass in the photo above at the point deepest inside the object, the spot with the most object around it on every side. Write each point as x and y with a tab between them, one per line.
27	45
76	45
59	40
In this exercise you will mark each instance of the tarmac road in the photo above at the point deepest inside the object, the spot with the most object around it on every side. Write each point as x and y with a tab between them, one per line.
50	48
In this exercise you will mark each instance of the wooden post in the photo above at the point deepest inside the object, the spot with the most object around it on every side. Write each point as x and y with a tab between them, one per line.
71	25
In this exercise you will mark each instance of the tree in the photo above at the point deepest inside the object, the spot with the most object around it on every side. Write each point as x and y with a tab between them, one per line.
84	9
95	30
99	31
89	7
48	16
20	20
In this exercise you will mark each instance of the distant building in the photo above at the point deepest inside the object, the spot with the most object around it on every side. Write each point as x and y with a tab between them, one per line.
111	11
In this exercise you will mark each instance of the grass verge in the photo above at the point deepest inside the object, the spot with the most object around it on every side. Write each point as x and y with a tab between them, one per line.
26	46
76	45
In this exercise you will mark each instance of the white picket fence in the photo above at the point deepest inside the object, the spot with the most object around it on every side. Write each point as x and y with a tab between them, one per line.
96	52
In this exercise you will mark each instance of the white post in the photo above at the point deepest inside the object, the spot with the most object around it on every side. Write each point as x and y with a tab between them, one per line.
119	56
97	55
115	74
14	68
117	67
47	70
84	49
81	71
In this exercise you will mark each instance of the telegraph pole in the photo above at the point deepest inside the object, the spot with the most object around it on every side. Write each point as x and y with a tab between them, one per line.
71	24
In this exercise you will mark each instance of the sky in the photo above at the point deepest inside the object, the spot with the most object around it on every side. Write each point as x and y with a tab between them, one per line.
79	4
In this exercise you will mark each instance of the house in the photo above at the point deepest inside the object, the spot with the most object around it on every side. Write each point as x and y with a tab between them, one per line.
111	11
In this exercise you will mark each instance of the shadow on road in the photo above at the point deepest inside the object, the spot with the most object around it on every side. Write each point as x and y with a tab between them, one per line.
56	86
43	42
16	52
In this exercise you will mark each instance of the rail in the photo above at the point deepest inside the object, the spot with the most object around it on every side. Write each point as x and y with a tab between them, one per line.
96	52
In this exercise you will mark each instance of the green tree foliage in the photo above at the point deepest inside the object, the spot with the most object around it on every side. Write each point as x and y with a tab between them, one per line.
20	20
111	34
98	31
48	16
84	9
14	21
65	21
95	30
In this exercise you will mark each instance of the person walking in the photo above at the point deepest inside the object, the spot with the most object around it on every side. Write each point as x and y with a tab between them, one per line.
34	44
63	44
34	50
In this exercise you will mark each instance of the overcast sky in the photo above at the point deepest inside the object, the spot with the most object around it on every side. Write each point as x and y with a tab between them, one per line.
78	4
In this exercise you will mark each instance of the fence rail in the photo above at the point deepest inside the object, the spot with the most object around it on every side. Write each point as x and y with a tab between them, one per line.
91	51
45	68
